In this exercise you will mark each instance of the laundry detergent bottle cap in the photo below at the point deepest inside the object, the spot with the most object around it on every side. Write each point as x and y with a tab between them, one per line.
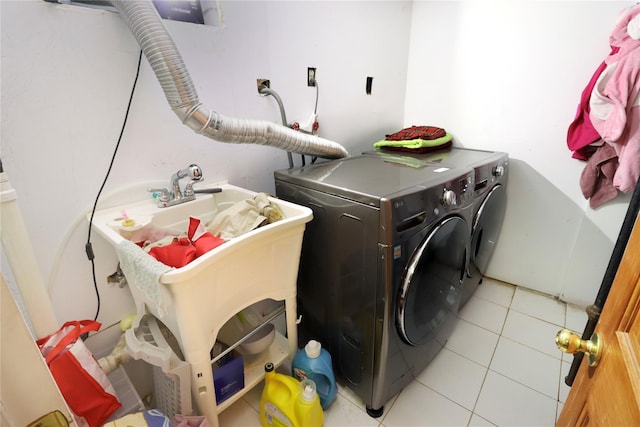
308	391
313	349
285	401
314	363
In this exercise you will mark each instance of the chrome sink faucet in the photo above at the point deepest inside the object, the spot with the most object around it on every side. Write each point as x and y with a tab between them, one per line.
174	195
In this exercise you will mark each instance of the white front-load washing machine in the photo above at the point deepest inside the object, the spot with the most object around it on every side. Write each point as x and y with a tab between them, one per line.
382	265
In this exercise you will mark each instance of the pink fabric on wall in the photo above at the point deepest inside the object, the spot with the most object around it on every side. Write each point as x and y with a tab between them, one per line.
620	36
581	132
615	102
629	155
596	181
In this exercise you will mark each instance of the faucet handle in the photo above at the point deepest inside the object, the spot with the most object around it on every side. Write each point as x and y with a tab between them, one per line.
188	189
164	193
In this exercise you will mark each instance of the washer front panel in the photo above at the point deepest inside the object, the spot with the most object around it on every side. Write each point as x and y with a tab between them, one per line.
430	287
487	224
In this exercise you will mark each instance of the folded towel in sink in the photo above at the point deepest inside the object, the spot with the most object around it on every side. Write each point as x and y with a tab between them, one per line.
245	216
142	271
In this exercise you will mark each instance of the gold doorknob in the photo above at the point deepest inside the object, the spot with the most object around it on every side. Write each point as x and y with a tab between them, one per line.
570	342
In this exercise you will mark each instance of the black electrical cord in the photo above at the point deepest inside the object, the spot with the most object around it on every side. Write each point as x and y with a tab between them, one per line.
88	248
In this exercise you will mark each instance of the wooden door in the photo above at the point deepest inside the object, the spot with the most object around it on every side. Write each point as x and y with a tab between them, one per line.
609	394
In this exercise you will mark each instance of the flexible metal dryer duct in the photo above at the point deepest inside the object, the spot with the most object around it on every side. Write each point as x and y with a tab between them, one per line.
146	25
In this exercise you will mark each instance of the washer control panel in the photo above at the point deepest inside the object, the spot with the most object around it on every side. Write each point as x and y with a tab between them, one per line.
429	204
458	192
449	198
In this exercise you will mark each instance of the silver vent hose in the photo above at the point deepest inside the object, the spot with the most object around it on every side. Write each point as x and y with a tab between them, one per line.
146	25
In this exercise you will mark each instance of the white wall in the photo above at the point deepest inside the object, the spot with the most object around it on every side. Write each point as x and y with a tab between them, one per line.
507	76
498	75
67	73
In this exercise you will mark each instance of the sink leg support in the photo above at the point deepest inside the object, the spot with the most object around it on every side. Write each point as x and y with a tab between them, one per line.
291	313
203	391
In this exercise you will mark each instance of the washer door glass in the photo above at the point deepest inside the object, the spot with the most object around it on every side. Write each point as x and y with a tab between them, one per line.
487	223
430	285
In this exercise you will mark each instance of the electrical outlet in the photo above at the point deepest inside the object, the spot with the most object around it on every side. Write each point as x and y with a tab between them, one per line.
311	76
262	83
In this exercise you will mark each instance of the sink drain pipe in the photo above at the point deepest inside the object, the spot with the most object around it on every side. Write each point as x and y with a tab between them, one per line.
146	26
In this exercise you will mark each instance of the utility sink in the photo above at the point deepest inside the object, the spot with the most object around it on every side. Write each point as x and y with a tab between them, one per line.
111	222
196	300
238	273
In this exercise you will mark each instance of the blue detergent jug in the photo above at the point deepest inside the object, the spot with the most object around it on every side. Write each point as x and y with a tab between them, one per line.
314	363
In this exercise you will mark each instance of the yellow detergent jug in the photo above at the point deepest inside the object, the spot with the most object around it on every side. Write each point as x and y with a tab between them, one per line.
288	402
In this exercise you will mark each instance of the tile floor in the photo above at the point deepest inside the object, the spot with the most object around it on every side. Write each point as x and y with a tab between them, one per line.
499	368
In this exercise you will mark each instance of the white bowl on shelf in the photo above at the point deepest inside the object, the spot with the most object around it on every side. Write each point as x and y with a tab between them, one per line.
260	341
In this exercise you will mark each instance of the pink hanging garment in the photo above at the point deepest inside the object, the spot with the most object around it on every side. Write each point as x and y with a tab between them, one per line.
615	99
581	133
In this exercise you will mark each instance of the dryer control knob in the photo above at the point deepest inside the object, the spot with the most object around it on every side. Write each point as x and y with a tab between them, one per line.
449	198
498	171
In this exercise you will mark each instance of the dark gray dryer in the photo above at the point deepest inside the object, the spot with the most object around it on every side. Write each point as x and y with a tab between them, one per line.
382	265
490	200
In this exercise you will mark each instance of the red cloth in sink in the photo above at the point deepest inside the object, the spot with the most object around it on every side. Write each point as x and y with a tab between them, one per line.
176	254
201	239
185	249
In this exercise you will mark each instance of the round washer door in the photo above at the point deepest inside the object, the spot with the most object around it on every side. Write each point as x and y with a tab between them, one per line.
429	291
487	223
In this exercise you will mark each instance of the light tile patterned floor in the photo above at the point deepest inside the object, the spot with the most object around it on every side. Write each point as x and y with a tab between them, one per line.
499	368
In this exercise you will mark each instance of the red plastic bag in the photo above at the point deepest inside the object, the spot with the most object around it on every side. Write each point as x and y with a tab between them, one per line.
83	384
